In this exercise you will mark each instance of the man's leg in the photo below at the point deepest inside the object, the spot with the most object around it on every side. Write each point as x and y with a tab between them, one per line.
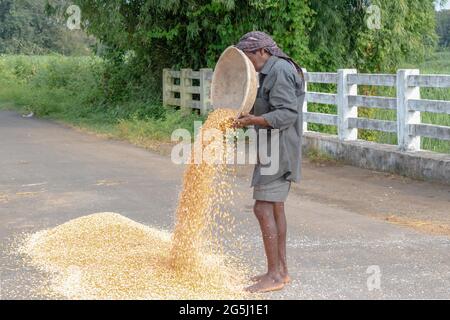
280	219
272	281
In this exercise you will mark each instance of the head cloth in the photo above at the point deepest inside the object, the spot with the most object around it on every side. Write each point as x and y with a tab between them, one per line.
256	40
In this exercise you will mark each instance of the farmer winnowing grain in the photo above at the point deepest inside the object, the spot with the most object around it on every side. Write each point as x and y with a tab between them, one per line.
278	106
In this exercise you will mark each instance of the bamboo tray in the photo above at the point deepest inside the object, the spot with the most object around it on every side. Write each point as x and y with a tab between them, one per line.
235	82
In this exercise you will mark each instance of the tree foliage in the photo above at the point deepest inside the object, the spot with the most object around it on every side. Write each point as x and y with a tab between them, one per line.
26	28
321	34
341	36
443	28
144	36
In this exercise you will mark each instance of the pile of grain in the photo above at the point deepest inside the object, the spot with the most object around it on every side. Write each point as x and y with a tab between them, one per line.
108	256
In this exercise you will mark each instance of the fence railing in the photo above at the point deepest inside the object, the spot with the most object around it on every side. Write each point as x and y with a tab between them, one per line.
407	103
188	88
179	90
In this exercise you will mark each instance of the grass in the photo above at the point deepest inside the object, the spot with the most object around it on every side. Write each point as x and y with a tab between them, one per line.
320	158
72	90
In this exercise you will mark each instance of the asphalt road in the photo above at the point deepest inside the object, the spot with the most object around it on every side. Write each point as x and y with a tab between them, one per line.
50	174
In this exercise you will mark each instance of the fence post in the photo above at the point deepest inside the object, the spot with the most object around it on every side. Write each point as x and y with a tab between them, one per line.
305	103
205	90
166	84
346	111
406	117
184	83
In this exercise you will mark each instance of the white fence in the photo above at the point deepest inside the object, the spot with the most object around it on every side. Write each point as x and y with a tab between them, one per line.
408	103
188	88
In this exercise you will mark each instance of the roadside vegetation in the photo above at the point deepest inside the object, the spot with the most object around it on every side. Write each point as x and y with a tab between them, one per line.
70	89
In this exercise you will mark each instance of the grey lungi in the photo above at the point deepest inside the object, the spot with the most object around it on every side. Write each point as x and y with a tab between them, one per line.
276	191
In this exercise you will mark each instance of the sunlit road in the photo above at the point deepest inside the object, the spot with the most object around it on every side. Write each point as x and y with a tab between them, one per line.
51	174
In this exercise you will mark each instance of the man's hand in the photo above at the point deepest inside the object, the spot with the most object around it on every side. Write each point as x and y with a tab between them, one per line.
246	120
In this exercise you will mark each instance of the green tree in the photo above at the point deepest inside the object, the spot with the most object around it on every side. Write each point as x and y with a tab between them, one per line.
319	34
26	28
342	37
443	28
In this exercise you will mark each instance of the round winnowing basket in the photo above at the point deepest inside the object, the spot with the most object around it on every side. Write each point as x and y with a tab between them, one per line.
235	82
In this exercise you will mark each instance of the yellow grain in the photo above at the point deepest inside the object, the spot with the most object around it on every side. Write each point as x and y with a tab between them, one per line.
108	256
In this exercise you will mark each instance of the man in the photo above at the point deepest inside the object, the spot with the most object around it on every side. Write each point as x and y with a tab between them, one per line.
278	106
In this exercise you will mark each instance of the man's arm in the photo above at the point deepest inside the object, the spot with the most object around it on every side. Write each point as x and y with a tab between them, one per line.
284	100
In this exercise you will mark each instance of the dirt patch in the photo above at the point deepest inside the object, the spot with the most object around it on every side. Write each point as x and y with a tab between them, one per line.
429	227
29	193
108	183
4	198
417	204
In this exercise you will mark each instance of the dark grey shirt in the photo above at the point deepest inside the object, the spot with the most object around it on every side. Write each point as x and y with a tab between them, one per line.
279	100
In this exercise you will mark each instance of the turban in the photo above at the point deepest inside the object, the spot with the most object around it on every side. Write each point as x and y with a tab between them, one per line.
256	40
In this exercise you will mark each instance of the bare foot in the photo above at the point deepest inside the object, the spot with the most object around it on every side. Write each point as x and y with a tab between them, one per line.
286	278
257	278
267	283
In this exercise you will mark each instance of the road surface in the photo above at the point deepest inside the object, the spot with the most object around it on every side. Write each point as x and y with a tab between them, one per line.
51	174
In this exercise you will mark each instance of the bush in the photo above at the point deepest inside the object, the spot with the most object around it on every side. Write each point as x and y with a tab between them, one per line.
73	89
